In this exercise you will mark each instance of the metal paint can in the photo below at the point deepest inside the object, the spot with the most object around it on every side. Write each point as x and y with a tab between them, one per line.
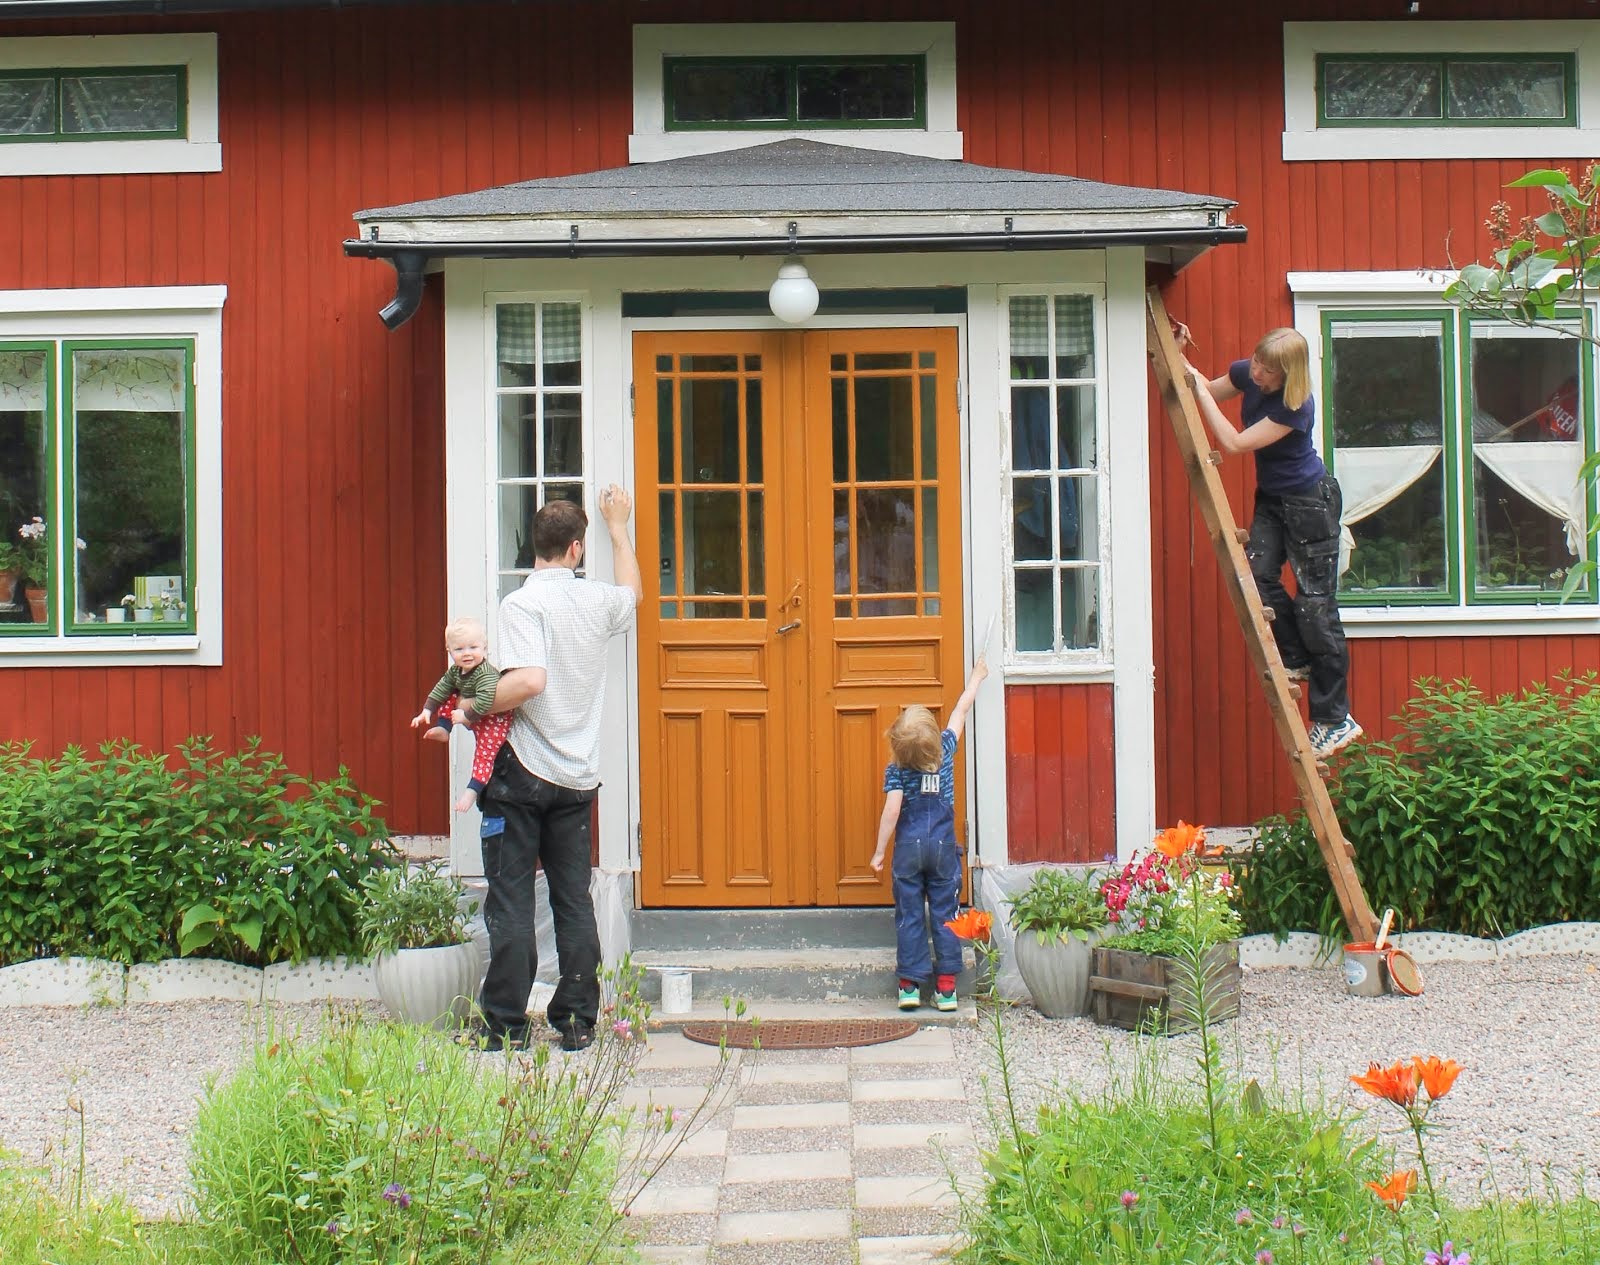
1365	971
677	992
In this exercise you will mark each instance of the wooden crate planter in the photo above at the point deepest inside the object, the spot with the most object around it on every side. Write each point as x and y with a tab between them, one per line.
1132	990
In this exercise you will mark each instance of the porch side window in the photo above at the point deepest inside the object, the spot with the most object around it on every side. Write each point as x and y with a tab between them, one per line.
1055	485
539	411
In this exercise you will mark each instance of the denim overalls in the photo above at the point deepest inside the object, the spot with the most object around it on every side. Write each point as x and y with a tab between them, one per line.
927	874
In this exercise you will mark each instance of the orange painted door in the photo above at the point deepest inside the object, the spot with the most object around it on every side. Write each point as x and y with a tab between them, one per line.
800	539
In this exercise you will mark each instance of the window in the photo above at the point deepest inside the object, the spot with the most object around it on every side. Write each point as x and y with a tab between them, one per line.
1410	90
795	92
1055	487
703	87
80	105
539	411
1457	442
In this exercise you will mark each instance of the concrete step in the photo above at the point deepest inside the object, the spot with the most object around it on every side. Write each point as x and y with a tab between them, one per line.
790	975
762	928
710	1010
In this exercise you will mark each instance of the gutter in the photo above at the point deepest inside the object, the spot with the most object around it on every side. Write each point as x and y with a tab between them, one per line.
411	258
175	8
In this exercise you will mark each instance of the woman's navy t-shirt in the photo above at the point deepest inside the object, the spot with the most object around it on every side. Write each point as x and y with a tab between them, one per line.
1291	464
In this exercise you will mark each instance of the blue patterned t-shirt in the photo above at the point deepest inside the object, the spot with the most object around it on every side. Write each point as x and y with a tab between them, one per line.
897	777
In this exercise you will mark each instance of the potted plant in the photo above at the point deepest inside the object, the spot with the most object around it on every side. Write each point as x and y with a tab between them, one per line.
122	612
1058	917
10	570
426	967
171	608
35	567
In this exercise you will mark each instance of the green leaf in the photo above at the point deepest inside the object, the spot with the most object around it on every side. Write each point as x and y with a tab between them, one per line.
197	939
196	915
249	930
1541	177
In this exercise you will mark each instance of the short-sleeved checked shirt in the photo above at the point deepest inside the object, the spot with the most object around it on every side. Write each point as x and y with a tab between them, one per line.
560	623
897	777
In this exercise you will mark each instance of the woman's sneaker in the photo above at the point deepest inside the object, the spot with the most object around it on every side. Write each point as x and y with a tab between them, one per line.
1327	739
910	995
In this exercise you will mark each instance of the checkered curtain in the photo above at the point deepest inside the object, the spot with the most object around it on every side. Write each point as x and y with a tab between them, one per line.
516	333
1030	328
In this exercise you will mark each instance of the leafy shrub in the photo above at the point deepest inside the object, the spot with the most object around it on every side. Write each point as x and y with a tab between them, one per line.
1481	817
403	908
1057	904
135	856
48	1221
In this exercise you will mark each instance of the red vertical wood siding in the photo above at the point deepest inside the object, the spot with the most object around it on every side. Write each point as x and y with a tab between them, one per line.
333	434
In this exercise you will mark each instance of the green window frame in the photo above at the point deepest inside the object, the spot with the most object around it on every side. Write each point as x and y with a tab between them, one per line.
1568	62
791	68
61	512
59	74
1462	588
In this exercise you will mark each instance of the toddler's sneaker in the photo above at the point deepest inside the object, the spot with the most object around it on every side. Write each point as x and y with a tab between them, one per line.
944	1001
1327	739
910	995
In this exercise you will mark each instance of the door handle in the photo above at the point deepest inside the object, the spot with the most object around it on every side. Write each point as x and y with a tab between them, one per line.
788	628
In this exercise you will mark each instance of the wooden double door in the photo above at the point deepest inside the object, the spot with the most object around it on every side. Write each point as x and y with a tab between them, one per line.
799	533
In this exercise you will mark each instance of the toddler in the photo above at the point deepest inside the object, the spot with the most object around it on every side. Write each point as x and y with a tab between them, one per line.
464	695
919	810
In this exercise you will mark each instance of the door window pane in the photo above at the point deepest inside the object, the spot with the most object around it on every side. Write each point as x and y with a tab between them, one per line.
1075	445
710	426
1080	608
25	473
1074	338
562	365
886	541
1035	610
884	429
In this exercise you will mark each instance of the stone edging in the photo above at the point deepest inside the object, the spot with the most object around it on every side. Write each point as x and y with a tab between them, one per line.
94	982
1306	948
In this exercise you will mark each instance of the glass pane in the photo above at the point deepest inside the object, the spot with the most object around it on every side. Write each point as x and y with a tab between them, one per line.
665	447
663	364
841	430
728	92
24	489
668	542
27	107
838	363
510	582
1075	449
518	501
880	607
669	610
1524	389
757	544
926	360
930	540
1074	336
562	492
857	93
884	430
1030	428
1080	608
841	610
516	350
752	429
1079	520
1030	337
886	543
709	364
1030	519
131	475
713	610
1521	544
563	345
752	364
713	554
119	103
563	434
841	541
879	360
758	609
1382	90
519	456
1506	90
930	427
710	430
1388	385
930	606
1401	547
1036	610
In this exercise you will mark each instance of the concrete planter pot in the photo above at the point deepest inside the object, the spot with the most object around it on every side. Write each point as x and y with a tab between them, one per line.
435	987
1057	972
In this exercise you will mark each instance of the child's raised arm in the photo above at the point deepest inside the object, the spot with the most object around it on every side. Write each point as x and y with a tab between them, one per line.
958	714
886	825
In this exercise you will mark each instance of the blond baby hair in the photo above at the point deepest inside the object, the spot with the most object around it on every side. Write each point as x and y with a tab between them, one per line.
1284	351
914	740
462	629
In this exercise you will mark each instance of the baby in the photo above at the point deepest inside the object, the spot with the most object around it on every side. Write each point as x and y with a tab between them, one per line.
464	696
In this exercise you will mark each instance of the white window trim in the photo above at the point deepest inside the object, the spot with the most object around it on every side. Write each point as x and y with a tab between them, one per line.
1403	290
190	312
1302	41
199	151
652	43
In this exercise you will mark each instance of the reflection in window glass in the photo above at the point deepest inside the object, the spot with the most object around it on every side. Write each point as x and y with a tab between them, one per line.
27	106
1382	89
101	103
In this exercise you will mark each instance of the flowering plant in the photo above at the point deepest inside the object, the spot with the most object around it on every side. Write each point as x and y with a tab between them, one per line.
1165	900
33	553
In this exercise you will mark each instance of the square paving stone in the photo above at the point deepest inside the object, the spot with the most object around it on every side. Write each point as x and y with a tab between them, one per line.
904	1222
931	1111
777	1196
779	1166
688	1231
779	1227
657	1200
914	1161
695	1170
768	1141
793	1095
910	1090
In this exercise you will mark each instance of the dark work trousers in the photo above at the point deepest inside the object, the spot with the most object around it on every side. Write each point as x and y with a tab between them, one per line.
528	821
1302	528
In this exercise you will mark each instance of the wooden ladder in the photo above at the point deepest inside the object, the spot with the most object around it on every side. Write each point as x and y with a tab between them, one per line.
1200	460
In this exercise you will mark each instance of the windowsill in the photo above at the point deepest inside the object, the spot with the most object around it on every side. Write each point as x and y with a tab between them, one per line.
1371	143
1481	621
124	650
648	147
1057	673
109	158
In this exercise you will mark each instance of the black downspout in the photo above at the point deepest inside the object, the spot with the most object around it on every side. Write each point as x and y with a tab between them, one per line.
409	266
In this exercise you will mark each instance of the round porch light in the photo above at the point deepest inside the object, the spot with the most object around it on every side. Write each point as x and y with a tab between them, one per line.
793	296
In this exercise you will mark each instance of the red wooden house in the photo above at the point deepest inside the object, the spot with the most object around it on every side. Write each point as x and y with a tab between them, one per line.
261	501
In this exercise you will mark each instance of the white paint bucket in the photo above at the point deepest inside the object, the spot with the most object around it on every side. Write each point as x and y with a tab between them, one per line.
677	992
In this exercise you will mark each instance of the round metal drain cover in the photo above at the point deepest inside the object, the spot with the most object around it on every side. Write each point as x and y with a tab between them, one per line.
801	1034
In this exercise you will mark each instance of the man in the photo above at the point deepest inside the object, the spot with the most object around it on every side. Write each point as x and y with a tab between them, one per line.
536	807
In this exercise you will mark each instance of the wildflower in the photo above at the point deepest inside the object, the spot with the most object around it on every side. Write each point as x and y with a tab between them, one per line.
1394	1191
1175	841
1277	1223
333	1228
1343	1237
1447	1256
1299	1230
1243	1217
623	1028
396	1194
1129	1198
1263	1257
972	925
1397	1083
1436	1075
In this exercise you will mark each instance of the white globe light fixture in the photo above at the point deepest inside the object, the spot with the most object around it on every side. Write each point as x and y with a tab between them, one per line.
793	296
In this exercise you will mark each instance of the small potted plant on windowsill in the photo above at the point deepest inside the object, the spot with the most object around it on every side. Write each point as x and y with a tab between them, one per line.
35	567
122	612
426	967
1058	919
172	610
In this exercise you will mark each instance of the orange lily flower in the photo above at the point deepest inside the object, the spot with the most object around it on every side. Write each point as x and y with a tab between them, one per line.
972	925
1394	1191
1397	1083
1174	841
1436	1075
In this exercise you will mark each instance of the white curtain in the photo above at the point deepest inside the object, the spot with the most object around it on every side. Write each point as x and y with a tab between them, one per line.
1369	478
1547	475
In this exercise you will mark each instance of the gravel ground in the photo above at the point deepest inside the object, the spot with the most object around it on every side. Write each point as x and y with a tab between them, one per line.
1527	1031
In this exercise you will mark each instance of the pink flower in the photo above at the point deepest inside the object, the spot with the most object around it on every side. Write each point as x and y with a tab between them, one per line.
1129	1198
1263	1257
623	1028
1243	1217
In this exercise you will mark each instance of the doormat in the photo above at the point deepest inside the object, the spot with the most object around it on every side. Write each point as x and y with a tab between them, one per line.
801	1034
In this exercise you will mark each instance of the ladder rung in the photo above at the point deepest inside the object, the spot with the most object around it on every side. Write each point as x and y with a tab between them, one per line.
1241	535
1294	690
1268	614
1214	457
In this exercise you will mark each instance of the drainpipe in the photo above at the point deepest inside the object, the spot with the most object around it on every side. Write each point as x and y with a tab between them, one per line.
409	266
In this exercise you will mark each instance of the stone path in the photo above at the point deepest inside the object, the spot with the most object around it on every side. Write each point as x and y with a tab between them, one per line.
826	1157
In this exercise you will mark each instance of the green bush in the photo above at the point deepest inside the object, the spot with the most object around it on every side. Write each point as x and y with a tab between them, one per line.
1480	817
135	857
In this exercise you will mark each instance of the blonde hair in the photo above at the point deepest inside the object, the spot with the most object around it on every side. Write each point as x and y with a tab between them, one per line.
462	629
1284	351
914	739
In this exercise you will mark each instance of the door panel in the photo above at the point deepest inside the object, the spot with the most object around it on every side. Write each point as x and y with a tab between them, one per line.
798	493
